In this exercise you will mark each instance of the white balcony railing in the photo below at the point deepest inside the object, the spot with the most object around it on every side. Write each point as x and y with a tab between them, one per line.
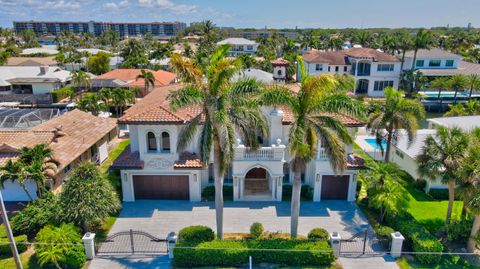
322	155
273	153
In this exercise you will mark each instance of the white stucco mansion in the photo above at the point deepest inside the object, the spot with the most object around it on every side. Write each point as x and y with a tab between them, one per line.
152	168
373	70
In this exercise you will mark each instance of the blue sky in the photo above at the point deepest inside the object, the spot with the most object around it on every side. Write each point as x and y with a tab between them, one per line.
253	13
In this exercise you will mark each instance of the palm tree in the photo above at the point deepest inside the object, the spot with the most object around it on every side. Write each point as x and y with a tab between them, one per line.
473	83
441	157
422	40
474	206
15	171
440	83
121	98
389	43
397	113
458	82
148	78
313	108
469	173
81	79
364	38
90	102
405	43
105	95
225	106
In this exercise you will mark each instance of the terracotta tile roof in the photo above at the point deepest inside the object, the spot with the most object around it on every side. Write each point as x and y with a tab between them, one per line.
328	57
68	135
128	160
188	160
341	57
288	117
31	61
162	78
376	55
5	157
280	61
355	162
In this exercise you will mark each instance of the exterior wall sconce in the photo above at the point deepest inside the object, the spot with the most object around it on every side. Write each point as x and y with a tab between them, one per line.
318	178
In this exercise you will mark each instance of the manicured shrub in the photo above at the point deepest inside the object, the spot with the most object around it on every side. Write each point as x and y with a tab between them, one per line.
208	193
69	254
20	241
62	93
195	234
439	194
233	253
37	214
459	230
318	234
384	234
306	193
420	240
256	230
420	184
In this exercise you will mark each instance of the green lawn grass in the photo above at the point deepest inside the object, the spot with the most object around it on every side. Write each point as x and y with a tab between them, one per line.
113	154
445	263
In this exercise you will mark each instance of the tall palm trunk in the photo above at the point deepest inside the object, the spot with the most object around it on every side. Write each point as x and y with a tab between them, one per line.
389	145
455	96
403	61
295	210
451	198
414	58
464	209
30	198
473	233
218	190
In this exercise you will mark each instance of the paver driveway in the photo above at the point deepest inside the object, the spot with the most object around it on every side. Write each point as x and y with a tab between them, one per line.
161	217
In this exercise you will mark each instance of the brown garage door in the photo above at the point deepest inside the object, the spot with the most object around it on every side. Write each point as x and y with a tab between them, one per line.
163	187
335	187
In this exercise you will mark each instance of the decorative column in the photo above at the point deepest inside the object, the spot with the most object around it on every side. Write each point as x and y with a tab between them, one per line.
397	242
242	187
335	241
317	189
352	188
236	189
279	188
172	241
89	244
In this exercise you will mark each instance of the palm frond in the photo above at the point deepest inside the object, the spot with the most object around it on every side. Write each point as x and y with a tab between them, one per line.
186	96
188	132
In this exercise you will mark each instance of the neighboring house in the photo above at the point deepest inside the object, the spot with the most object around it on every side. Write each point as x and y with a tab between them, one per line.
437	62
257	74
373	70
405	155
153	168
74	137
127	78
240	46
31	84
31	61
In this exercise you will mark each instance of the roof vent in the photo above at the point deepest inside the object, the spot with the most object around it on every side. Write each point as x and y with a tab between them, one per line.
43	69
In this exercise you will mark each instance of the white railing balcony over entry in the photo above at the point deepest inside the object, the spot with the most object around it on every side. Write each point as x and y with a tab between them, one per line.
322	155
273	153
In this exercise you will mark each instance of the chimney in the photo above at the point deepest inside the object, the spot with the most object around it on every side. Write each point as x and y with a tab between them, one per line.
43	69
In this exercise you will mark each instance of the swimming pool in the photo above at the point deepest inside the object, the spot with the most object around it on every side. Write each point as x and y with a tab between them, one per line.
446	94
373	143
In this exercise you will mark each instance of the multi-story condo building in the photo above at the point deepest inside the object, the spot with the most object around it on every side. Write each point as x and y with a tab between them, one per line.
373	70
240	46
153	168
124	29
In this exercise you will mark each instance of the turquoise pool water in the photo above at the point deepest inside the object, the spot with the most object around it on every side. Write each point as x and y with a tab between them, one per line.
448	95
373	142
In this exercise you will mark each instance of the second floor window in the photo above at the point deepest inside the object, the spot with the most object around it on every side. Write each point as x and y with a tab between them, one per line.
319	67
151	142
385	67
435	63
449	63
381	85
165	142
249	47
420	63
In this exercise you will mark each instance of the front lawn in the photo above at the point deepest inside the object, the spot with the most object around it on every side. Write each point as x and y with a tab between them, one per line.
445	263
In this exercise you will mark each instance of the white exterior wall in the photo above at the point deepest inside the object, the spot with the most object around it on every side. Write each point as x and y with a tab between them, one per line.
42	88
311	69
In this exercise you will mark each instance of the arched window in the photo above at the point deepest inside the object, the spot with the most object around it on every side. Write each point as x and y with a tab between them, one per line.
165	142
151	142
279	72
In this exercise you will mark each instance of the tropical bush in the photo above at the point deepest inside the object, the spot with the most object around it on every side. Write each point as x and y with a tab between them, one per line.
420	184
69	253
459	230
88	198
20	241
62	93
195	234
208	193
232	253
318	234
35	215
256	230
306	193
439	194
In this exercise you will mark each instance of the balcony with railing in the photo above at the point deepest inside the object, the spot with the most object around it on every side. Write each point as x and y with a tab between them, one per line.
275	152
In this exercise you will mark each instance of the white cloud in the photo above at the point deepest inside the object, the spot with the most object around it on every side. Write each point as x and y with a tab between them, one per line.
169	5
113	5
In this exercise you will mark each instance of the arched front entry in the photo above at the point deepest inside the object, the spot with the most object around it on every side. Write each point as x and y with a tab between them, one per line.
257	183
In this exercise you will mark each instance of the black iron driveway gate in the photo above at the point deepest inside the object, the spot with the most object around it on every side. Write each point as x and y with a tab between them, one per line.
132	242
362	243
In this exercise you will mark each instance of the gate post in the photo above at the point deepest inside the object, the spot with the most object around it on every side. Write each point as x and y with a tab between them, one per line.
397	242
89	244
171	241
335	241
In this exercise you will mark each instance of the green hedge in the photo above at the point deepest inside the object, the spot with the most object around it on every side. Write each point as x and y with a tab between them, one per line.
62	93
318	234
195	234
420	240
306	193
439	194
208	193
20	241
420	184
232	253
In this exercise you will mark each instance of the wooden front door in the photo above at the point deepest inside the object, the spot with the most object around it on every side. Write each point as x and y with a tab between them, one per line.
335	187
161	187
